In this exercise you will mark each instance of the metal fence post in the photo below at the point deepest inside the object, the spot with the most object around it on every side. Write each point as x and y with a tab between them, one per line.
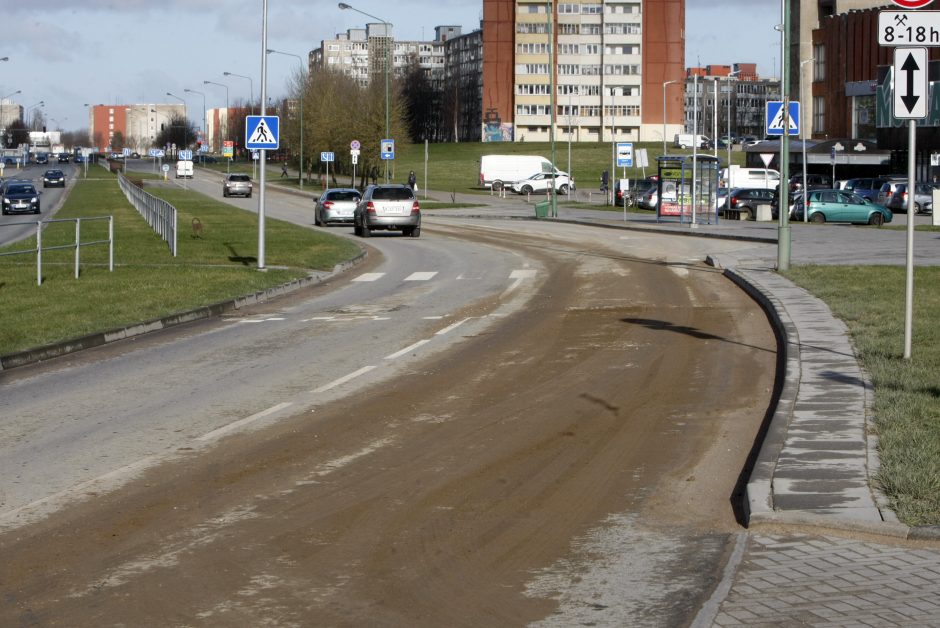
78	240
39	253
111	243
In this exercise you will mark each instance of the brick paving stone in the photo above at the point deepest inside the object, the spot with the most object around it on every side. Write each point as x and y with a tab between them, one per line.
831	582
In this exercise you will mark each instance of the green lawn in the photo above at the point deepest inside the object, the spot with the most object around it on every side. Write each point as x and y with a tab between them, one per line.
147	281
870	299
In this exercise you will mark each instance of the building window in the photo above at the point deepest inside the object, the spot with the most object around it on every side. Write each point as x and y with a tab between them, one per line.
819	65
819	115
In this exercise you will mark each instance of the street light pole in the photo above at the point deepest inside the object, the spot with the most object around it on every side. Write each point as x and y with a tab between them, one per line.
41	103
219	145
388	62
251	87
665	83
303	90
803	137
185	115
205	131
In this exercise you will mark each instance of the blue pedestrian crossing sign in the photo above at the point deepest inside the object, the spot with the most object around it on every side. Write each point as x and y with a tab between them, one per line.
261	132
778	120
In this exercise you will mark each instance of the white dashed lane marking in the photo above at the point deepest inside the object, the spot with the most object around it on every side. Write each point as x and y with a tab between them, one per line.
369	277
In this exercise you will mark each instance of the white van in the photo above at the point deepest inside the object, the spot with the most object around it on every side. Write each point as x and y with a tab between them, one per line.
686	140
499	171
742	177
184	169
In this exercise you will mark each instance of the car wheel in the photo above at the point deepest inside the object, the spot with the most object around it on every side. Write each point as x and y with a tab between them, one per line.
415	232
497	185
876	219
365	230
316	220
819	218
526	189
918	209
249	195
357	230
563	189
224	194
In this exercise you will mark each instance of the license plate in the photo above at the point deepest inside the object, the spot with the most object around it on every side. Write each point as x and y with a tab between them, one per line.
395	209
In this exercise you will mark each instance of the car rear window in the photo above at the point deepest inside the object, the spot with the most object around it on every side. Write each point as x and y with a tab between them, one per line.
239	177
392	194
343	196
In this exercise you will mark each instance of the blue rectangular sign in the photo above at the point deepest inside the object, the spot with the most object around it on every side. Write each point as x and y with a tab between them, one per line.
624	154
327	156
262	132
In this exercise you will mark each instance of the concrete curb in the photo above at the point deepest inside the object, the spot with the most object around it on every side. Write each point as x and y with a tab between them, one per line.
39	354
759	500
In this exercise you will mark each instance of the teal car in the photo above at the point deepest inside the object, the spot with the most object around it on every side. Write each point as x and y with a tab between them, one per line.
842	206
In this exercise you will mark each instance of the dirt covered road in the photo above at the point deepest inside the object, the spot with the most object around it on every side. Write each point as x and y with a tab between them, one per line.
577	463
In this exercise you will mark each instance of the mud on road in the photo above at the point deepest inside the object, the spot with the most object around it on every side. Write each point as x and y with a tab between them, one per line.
577	463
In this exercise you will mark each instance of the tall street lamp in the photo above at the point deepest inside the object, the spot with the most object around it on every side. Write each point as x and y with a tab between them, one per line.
2	121
303	90
41	103
205	131
665	83
218	145
251	87
803	137
185	115
731	75
388	62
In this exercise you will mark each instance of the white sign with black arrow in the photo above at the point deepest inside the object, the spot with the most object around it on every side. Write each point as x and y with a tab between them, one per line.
910	83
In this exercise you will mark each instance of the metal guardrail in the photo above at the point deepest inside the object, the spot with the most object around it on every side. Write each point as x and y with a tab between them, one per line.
160	215
77	244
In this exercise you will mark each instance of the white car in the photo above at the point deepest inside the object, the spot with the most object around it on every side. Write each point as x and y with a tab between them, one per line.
542	182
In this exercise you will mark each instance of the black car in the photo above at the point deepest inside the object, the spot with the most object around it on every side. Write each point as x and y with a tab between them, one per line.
19	197
636	189
42	158
746	200
813	182
53	178
64	158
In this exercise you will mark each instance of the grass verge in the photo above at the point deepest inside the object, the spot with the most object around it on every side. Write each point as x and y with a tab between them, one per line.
147	281
870	299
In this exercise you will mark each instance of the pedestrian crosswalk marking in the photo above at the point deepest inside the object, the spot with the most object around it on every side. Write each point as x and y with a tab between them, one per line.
421	276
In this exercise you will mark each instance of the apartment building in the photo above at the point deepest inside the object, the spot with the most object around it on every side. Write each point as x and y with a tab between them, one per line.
722	98
138	124
610	62
364	53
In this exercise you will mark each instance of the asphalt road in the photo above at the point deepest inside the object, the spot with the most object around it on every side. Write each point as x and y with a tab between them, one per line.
497	423
18	226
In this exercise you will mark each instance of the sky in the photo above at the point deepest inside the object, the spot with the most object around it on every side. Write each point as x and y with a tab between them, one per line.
66	53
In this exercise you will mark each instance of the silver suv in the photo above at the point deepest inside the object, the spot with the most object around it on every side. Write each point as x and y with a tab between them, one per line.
236	185
391	207
335	205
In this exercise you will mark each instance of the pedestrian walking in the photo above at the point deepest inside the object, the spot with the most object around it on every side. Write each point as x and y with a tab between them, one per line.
283	169
605	180
412	180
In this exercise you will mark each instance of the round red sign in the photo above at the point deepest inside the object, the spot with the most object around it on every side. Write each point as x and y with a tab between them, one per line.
912	4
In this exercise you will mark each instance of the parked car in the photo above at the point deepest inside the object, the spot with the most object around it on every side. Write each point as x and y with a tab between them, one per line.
813	182
79	159
336	205
886	195
893	195
542	182
19	197
866	187
53	178
390	207
236	185
742	200
635	190
842	206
